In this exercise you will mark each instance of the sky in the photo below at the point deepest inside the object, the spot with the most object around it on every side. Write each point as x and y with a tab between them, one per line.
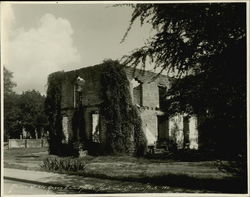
38	39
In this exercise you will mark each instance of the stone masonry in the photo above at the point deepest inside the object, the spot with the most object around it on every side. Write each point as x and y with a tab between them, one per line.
146	93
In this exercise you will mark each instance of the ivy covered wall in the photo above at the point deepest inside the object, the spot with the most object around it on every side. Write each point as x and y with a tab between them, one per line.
123	122
108	87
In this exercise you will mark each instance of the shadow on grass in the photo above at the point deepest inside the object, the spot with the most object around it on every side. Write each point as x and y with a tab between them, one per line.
213	182
226	185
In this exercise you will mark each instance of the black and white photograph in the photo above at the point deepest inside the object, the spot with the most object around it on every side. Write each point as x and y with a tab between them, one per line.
125	98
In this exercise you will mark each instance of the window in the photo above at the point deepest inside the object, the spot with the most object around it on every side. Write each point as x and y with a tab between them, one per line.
78	88
162	96
95	128
65	127
186	131
137	91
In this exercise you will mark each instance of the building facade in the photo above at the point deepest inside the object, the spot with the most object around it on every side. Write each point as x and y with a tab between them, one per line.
83	87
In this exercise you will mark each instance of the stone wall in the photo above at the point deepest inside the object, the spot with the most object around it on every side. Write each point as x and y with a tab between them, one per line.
193	133
149	105
149	124
176	131
28	143
91	97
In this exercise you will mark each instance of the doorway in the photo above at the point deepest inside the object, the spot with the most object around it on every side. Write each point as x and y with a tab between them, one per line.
163	132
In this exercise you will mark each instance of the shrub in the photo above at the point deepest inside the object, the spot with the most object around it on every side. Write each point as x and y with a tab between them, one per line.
236	167
68	164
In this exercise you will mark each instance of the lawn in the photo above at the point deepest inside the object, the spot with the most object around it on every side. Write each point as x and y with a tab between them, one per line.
193	175
24	158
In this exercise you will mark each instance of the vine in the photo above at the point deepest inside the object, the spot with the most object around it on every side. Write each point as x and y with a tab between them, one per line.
122	118
53	111
124	133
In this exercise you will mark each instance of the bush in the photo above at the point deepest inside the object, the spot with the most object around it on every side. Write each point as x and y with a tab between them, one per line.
236	167
69	164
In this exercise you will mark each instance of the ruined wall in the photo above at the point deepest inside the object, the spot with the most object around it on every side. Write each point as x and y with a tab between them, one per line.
150	100
193	133
149	124
27	143
176	131
91	89
150	92
149	108
91	99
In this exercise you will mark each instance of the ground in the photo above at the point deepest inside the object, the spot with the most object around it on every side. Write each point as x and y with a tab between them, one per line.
202	176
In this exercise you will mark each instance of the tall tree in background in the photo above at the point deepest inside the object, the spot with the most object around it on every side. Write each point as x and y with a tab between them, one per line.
33	118
8	83
208	41
11	111
22	111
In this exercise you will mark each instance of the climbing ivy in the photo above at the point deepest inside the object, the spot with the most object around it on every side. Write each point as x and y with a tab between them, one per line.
121	118
123	122
140	141
53	111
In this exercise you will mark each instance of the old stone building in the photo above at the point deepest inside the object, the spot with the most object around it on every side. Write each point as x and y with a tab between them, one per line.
83	87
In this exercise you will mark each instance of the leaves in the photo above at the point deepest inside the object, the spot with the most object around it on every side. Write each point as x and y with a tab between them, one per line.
206	44
122	118
187	33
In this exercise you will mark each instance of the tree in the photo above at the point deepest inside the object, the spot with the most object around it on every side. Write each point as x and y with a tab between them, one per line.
33	118
206	44
24	110
11	112
8	83
188	35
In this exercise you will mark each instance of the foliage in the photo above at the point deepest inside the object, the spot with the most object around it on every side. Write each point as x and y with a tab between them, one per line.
217	98
12	116
206	44
10	110
140	141
64	164
8	83
53	111
31	105
25	111
187	34
22	111
192	176
120	115
237	167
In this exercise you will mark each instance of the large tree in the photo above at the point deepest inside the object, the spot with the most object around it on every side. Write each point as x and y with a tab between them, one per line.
8	82
22	111
11	112
31	106
206	44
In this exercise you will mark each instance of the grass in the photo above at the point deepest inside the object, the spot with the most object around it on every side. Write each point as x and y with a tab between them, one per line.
193	175
24	158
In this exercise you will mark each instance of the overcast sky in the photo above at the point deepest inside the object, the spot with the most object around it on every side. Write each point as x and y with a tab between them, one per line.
39	39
